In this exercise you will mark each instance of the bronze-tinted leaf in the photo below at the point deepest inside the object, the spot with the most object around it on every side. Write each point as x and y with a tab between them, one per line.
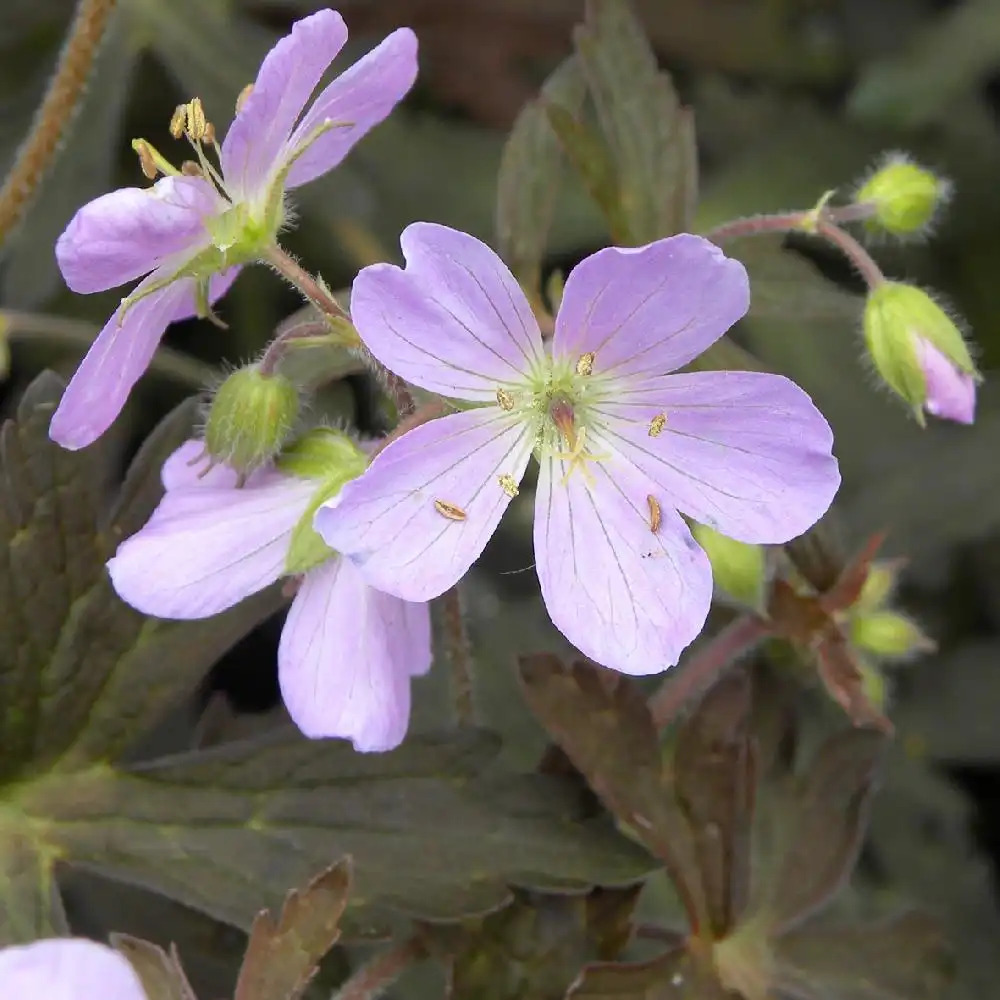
162	974
902	959
530	174
822	833
281	957
715	779
601	721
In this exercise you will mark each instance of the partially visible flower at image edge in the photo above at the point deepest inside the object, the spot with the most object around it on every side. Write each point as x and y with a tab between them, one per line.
623	447
190	234
347	652
67	969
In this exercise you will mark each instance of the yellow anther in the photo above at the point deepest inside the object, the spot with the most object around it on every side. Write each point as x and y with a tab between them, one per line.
586	363
657	424
147	162
505	400
509	486
244	95
197	124
450	510
655	514
178	121
578	456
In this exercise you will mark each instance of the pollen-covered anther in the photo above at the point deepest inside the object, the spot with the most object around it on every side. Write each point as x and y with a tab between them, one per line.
657	424
449	510
655	513
147	162
244	95
209	136
585	365
191	169
197	124
509	485
178	121
505	400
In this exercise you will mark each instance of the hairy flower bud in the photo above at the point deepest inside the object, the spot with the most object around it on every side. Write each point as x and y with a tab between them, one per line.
889	634
917	348
737	568
905	196
251	417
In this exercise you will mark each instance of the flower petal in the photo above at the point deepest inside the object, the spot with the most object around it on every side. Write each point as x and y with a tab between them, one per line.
647	310
746	453
360	98
119	356
128	233
627	597
206	548
288	75
67	969
454	321
346	657
390	521
189	468
951	394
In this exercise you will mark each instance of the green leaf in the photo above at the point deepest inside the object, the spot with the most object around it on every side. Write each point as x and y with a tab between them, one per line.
602	723
282	957
30	906
903	959
228	830
824	830
530	173
650	136
84	675
161	974
715	781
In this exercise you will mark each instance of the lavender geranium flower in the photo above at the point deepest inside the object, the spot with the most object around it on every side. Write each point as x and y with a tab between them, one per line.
347	652
67	969
190	234
622	446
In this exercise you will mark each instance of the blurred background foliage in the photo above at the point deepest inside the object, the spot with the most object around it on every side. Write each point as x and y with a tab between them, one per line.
791	98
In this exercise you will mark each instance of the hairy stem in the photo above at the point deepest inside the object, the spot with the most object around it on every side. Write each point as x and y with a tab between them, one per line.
788	222
61	101
459	651
278	348
698	672
320	297
852	250
382	971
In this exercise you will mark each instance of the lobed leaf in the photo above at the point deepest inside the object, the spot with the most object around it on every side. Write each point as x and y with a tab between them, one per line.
161	974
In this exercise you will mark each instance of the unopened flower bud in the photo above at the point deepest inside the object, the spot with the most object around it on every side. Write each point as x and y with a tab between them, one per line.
251	417
919	351
738	568
904	195
889	634
878	586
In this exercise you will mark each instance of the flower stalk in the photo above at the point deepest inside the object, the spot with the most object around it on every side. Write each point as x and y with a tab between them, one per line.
61	102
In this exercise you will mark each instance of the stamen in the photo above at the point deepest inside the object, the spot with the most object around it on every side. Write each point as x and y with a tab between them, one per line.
657	424
509	486
178	121
578	456
209	137
191	169
585	365
243	97
655	514
505	400
151	160
197	124
450	510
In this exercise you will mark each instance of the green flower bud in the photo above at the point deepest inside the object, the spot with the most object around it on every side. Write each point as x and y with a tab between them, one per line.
888	634
905	196
250	418
878	585
738	569
330	458
919	351
873	685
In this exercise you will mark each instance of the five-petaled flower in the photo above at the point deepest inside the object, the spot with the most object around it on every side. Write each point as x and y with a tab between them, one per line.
347	652
622	445
67	969
192	230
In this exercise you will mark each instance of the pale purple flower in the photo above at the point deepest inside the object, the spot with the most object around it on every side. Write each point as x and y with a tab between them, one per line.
951	393
622	446
347	652
67	969
184	230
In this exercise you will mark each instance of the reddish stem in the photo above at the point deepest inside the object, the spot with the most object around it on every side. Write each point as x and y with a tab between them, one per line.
383	970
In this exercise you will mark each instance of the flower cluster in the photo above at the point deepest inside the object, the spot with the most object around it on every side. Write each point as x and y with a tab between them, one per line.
627	445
